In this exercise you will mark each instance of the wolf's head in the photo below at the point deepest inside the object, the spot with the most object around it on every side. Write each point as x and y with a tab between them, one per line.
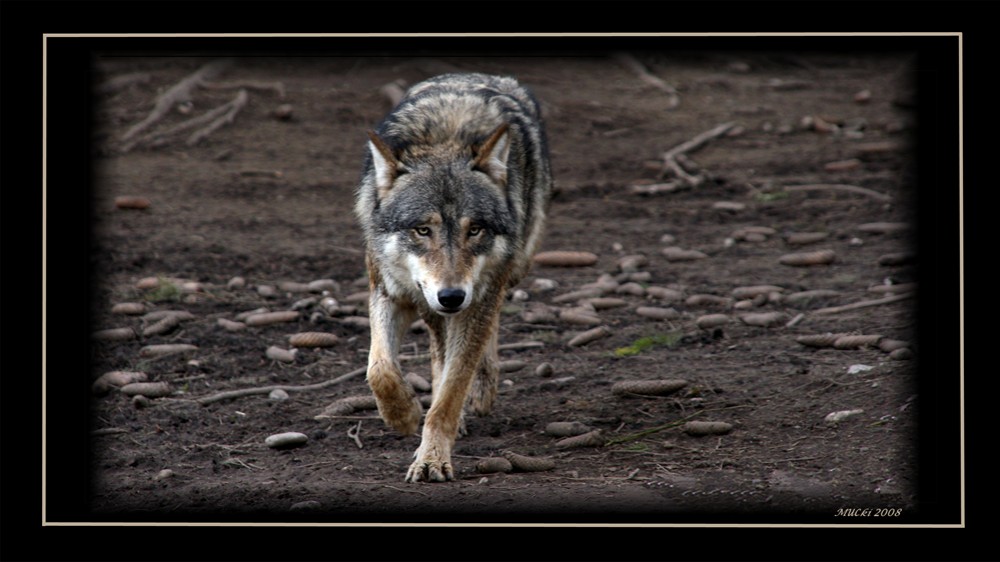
442	226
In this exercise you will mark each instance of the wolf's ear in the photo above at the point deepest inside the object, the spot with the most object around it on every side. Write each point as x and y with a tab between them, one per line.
491	156
384	161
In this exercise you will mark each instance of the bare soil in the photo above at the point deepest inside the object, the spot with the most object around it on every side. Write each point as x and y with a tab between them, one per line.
269	199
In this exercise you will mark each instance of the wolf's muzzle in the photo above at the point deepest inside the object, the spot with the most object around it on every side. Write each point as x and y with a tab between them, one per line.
451	299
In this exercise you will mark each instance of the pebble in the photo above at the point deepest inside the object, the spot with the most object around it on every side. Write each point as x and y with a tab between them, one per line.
842	165
883	227
657	313
565	258
114	334
801	238
674	253
664	294
544	285
699	428
566	429
230	325
288	439
266	290
731	206
603	303
589	336
276	353
131	202
579	317
511	365
166	349
632	263
751	291
544	370
668	239
631	288
278	394
265	318
320	285
578	295
819	257
114	379
764	319
519	295
901	354
808	297
283	112
660	387
708	300
418	382
236	283
165	473
307	505
129	308
709	321
864	96
147	389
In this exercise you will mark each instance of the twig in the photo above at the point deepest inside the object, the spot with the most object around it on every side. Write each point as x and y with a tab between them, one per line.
179	92
188	124
631	63
354	432
863	304
670	157
650	431
839	187
520	345
234	107
108	431
276	87
698	141
267	389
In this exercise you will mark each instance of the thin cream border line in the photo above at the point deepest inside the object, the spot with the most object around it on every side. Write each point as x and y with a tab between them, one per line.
553	35
961	183
961	285
45	245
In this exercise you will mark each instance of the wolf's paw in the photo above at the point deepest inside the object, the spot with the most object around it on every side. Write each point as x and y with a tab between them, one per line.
400	410
428	470
432	461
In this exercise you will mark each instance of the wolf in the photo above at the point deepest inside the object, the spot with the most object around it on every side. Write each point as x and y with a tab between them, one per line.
452	201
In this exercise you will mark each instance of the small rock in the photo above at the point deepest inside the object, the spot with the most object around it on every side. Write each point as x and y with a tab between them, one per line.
236	283
165	473
544	370
710	321
864	96
286	440
308	505
859	368
283	112
418	382
278	395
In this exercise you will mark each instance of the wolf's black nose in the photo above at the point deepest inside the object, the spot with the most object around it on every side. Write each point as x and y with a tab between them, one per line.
451	298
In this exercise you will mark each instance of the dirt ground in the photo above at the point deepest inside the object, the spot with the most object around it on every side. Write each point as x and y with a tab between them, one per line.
268	198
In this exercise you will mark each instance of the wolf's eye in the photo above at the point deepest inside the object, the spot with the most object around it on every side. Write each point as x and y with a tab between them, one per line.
422	231
475	230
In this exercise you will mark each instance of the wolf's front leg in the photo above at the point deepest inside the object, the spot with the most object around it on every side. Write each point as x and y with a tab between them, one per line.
397	402
466	338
